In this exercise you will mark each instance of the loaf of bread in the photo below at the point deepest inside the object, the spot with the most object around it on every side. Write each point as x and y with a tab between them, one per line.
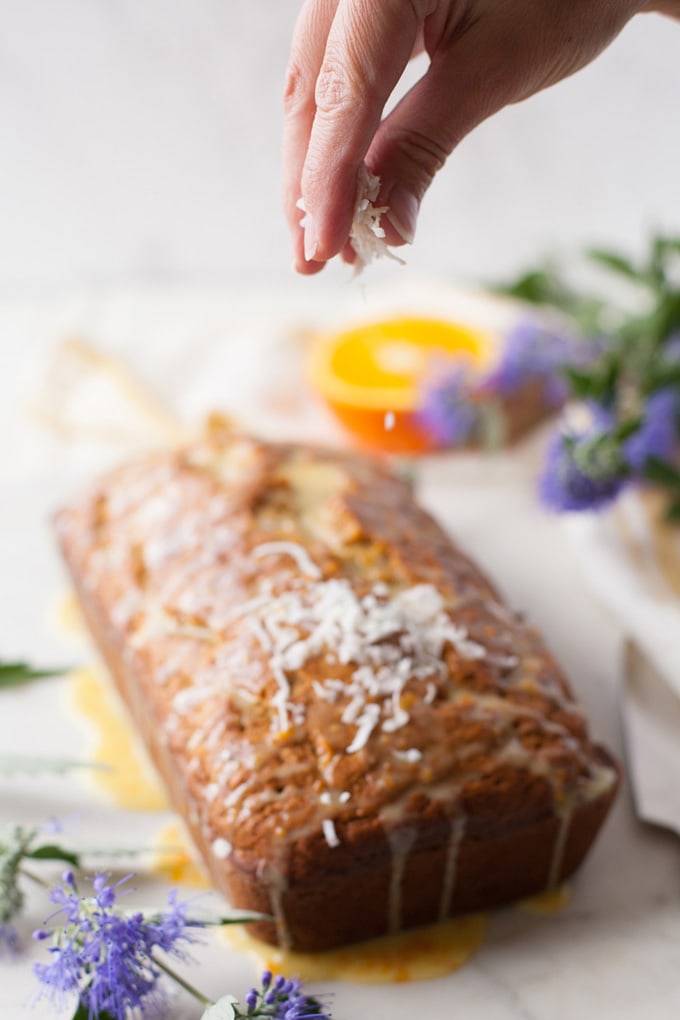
361	736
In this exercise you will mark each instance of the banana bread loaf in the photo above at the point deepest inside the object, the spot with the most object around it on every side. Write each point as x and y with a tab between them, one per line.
361	736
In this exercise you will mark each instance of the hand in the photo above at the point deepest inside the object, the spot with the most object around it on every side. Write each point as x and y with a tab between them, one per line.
346	58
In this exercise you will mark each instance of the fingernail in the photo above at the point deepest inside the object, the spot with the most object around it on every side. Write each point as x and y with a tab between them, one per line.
311	243
403	213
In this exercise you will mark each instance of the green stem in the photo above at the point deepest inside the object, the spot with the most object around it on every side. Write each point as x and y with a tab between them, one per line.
34	878
181	981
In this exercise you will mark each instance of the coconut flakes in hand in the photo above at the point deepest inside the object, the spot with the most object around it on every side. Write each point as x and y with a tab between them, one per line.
366	235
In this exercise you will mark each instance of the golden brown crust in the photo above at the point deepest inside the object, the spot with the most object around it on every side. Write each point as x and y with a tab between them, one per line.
335	695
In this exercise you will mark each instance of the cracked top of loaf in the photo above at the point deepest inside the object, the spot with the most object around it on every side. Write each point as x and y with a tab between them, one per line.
316	652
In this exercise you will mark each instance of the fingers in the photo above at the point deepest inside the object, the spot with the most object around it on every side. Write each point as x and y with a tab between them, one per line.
368	46
505	55
307	51
469	78
414	142
349	54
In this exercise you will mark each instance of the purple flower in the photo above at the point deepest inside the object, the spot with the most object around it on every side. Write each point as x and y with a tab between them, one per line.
531	351
10	944
657	435
447	414
63	974
582	471
105	954
280	998
53	827
671	348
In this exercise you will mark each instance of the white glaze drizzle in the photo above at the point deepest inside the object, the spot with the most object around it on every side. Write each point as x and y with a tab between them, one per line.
564	816
451	865
401	842
293	549
277	886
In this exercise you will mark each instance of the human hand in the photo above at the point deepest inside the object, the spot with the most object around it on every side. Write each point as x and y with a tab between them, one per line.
346	58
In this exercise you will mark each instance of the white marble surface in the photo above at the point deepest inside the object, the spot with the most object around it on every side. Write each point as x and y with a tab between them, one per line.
612	954
140	142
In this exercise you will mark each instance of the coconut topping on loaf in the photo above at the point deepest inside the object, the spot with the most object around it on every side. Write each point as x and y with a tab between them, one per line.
315	663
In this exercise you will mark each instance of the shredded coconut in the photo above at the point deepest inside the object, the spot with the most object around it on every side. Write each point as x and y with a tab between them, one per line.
366	723
366	235
412	755
298	553
328	798
221	848
389	641
330	835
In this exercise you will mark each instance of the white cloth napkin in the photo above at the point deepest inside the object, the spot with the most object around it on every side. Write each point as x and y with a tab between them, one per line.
631	557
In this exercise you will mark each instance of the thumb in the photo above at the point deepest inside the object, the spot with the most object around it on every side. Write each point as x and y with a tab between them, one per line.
460	89
496	60
466	82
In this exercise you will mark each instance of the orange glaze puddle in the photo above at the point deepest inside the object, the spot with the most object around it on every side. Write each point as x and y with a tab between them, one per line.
67	617
550	902
417	955
175	861
130	781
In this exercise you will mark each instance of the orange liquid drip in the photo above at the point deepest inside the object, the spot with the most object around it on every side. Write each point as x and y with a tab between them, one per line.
417	955
129	780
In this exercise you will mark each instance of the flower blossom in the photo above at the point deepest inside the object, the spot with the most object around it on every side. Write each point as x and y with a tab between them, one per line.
277	998
531	351
583	469
9	941
106	954
447	413
657	435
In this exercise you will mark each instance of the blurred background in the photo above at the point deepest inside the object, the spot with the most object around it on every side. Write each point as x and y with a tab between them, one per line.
145	280
140	144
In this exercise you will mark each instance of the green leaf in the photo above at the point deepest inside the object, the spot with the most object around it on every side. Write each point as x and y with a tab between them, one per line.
595	383
52	852
17	674
581	383
660	472
666	319
83	1013
617	263
537	287
673	511
220	922
662	248
626	429
11	764
663	373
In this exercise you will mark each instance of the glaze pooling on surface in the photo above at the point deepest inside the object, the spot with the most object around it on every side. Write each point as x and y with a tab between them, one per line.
318	661
421	954
127	778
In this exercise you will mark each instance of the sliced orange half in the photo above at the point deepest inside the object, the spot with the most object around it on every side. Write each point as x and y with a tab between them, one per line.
372	376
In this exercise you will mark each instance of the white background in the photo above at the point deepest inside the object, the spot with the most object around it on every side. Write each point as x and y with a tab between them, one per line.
139	142
139	145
